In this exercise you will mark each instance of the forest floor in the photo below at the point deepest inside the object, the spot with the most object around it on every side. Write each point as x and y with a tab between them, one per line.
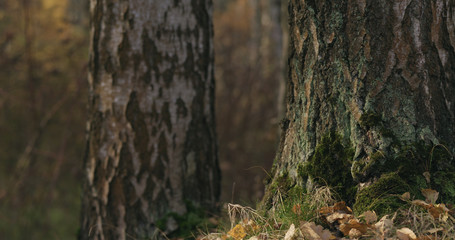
318	216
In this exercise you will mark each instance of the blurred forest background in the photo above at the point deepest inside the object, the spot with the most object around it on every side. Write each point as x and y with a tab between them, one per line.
43	95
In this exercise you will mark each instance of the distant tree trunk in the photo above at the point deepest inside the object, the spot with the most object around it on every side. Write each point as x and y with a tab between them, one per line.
284	16
151	151
273	46
256	31
370	99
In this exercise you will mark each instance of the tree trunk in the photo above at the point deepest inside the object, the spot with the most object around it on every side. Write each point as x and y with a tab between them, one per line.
273	47
370	103
284	55
151	153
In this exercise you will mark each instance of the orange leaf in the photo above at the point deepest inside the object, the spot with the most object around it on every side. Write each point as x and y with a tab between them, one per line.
296	209
345	228
437	210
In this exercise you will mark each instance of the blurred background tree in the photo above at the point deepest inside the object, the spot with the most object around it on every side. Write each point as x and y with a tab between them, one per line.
250	52
43	58
43	97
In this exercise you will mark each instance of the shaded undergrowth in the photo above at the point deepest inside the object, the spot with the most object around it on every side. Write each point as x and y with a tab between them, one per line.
317	215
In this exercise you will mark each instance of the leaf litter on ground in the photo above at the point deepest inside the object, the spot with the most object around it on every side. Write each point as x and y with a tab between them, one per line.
423	220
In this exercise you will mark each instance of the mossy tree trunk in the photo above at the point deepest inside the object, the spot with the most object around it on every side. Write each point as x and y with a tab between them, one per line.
369	99
151	151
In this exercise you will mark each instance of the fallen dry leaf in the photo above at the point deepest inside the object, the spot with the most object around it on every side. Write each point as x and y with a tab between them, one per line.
290	234
340	217
405	196
311	231
370	217
434	230
339	206
439	211
345	228
354	233
238	232
421	204
406	234
436	211
427	176
430	195
383	224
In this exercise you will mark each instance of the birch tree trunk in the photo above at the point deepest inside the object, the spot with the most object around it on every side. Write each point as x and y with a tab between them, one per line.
370	103
151	153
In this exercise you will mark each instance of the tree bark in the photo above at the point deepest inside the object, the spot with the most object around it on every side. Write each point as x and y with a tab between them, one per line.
369	93
151	150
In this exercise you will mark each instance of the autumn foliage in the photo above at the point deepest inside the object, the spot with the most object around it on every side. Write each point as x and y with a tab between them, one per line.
43	92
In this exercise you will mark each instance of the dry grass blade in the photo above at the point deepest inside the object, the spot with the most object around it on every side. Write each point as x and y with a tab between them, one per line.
322	197
244	213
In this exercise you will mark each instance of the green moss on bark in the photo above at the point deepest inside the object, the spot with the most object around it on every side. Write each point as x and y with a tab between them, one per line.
370	119
331	165
381	196
445	183
388	173
404	172
282	186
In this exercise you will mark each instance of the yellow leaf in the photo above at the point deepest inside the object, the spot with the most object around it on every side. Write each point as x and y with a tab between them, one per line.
238	232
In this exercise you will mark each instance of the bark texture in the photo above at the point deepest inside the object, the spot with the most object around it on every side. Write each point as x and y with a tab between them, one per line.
379	74
151	149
